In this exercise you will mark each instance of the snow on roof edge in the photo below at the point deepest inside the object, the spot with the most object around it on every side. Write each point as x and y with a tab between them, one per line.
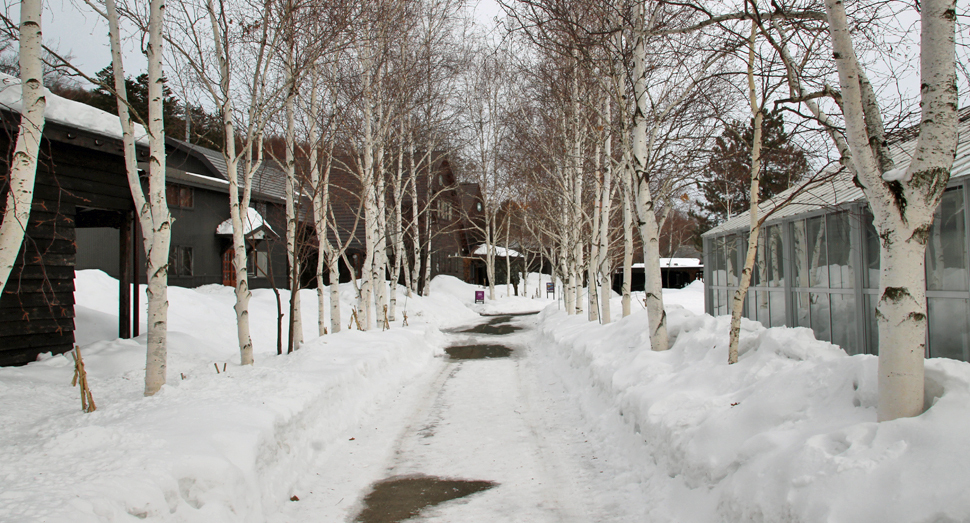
841	190
68	112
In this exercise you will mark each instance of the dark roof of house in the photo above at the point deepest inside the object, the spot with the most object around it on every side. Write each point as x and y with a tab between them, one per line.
269	182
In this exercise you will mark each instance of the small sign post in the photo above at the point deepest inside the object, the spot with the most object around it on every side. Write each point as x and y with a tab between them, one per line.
550	289
479	296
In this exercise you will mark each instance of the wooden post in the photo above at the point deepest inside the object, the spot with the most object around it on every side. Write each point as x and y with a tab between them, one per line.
81	380
124	279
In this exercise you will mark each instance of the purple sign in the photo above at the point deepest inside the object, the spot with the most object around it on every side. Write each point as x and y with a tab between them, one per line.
479	296
550	287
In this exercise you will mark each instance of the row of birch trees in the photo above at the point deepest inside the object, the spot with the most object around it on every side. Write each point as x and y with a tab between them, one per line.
622	99
372	88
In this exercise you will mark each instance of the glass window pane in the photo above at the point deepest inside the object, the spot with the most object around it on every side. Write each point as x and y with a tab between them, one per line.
758	307
949	328
759	274
818	269
777	308
872	253
820	316
946	251
718	272
773	256
722	303
731	260
844	323
802	316
872	330
839	232
800	249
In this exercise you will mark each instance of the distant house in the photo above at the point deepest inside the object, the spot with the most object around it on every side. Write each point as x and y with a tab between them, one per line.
479	269
439	202
675	273
818	264
83	217
201	249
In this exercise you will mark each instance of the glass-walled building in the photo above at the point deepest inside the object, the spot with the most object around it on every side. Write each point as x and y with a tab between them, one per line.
818	265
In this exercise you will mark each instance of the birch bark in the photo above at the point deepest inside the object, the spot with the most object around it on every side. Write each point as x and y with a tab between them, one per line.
157	257
606	202
295	338
902	209
649	230
754	228
23	166
319	207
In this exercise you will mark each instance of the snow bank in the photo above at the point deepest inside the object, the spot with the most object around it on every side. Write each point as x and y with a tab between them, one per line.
789	433
210	446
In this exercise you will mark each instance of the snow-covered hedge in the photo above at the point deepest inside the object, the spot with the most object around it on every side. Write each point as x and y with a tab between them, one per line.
786	434
209	447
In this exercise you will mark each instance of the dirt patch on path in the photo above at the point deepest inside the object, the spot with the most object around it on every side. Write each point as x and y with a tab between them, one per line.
478	352
402	497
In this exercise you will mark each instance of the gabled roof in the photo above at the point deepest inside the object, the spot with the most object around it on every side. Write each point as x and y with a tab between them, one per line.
269	182
841	190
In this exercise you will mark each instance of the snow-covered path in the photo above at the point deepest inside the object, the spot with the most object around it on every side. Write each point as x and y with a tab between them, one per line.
497	420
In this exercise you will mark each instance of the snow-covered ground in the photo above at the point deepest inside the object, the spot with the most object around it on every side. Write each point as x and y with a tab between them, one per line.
787	434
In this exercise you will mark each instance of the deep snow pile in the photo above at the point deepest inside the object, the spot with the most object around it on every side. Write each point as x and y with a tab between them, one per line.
210	446
786	434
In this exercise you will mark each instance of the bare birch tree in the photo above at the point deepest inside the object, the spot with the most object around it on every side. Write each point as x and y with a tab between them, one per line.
23	166
235	44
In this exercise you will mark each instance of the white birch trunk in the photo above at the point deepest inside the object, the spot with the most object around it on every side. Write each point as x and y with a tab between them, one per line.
606	202
627	234
368	193
154	375
23	166
737	305
319	205
592	270
236	207
380	249
490	257
414	226
576	205
157	258
903	210
296	315
396	233
508	258
649	230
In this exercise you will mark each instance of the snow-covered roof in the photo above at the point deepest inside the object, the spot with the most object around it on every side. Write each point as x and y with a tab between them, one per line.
253	221
68	112
482	250
680	262
676	263
840	190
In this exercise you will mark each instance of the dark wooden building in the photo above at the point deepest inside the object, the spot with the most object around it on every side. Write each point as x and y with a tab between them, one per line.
198	198
440	202
81	183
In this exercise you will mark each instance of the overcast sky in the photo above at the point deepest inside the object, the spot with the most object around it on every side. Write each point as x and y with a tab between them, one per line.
76	30
82	33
